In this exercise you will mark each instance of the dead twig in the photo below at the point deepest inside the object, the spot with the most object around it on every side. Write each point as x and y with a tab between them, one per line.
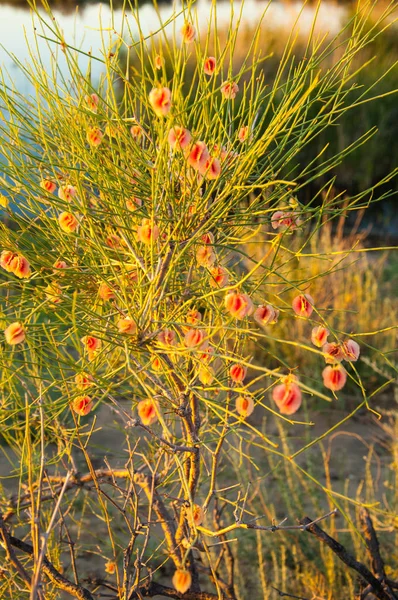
75	480
77	591
286	595
372	544
152	589
373	547
44	539
379	589
11	556
280	526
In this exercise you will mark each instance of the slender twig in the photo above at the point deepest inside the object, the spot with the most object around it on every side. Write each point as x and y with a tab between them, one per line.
45	536
226	553
279	527
11	556
76	480
286	595
147	484
372	544
55	576
173	447
216	457
378	589
35	589
155	589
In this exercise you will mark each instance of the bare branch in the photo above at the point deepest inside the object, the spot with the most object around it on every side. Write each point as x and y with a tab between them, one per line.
155	589
45	536
11	556
55	576
286	595
76	480
378	588
372	544
273	528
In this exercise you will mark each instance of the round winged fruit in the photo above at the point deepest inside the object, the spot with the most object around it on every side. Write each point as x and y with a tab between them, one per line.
287	395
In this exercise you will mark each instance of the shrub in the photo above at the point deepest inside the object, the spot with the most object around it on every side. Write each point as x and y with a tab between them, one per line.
130	300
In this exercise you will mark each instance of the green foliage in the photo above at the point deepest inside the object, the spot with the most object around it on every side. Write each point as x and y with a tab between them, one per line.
132	267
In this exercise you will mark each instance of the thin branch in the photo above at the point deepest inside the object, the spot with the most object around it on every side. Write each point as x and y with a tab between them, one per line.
36	591
11	556
173	447
147	484
59	580
273	528
152	589
372	544
76	480
378	589
45	536
286	595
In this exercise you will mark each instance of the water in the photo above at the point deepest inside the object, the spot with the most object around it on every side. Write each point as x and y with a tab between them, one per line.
85	27
82	27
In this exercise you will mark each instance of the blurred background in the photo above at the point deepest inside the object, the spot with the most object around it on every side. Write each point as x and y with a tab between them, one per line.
80	22
361	291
